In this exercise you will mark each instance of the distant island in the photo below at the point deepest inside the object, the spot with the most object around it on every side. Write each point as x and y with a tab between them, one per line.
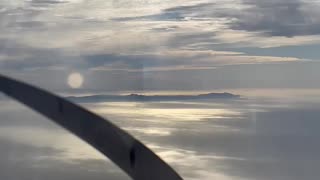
144	98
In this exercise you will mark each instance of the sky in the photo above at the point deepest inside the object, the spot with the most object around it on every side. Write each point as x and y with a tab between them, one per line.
161	45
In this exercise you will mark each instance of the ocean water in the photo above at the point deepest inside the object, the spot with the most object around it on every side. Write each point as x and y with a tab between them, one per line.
255	137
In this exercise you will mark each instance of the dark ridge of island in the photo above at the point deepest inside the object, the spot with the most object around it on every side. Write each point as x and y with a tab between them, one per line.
143	98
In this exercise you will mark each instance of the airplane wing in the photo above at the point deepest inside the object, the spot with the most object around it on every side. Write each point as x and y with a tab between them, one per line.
139	162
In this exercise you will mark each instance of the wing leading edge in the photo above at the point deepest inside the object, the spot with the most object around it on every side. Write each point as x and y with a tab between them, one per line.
139	162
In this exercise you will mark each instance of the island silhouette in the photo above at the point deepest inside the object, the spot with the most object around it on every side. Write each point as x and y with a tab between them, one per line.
143	98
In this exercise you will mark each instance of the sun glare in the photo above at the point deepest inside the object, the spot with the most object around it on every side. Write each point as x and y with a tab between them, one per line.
75	80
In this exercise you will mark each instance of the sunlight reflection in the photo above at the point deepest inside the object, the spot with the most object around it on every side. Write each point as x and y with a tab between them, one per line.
150	131
186	160
172	114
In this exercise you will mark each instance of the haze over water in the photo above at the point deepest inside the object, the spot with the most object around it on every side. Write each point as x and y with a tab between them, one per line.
248	138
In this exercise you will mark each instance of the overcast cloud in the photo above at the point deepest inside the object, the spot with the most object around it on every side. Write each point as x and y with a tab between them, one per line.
143	41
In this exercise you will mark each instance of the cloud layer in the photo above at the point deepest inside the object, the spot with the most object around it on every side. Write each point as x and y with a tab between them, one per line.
135	40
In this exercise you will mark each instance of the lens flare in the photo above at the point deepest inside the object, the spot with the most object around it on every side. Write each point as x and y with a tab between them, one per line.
75	80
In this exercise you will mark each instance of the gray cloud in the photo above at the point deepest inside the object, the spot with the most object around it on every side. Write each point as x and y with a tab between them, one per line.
46	2
279	18
20	18
273	18
179	13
